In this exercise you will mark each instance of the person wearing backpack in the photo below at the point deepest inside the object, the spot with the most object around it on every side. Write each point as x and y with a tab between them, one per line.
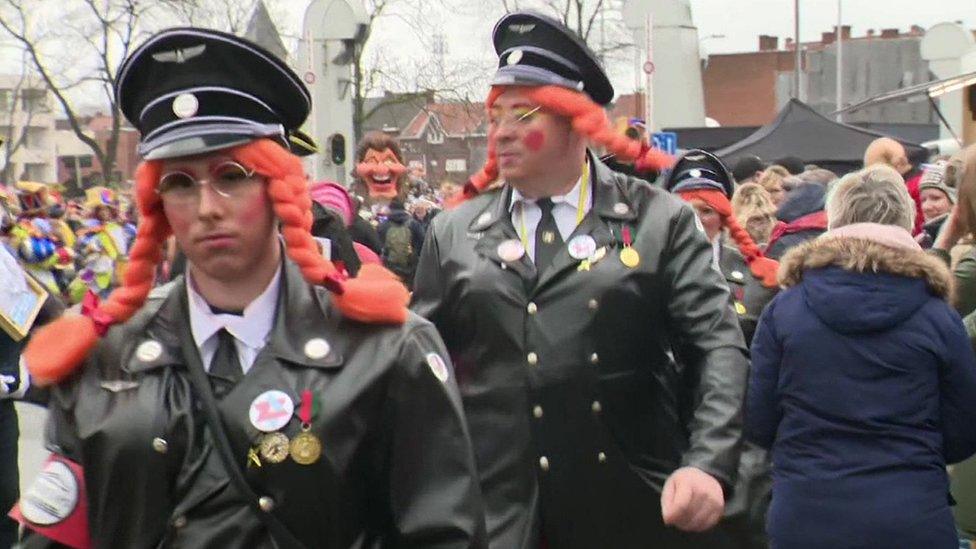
402	237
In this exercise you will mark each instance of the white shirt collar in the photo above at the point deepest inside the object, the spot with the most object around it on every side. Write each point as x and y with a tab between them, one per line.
571	198
251	328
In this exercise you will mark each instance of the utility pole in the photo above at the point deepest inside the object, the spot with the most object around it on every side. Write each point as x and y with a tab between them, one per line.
797	94
840	61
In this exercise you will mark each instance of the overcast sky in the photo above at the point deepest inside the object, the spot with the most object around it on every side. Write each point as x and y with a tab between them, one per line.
739	22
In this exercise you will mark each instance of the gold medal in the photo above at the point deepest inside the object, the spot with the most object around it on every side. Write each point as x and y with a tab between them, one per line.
273	447
306	448
740	308
629	257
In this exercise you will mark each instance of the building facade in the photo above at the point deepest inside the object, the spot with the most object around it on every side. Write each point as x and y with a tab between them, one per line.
27	128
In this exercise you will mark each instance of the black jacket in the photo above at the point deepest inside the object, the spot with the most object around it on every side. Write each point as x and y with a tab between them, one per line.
396	469
577	405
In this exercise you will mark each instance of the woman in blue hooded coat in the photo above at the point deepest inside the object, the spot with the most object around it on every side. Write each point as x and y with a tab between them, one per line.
862	381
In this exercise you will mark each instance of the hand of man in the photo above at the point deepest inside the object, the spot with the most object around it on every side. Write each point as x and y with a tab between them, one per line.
692	500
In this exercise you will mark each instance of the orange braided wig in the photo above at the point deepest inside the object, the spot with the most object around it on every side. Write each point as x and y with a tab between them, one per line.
374	296
588	119
761	266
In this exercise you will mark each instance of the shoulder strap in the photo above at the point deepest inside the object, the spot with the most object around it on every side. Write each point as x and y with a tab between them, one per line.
201	386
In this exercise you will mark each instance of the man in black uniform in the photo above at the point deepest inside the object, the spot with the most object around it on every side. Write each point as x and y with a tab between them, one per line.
568	295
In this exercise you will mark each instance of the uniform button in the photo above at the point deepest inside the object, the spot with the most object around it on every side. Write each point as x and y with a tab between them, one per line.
537	412
594	358
179	522
596	407
533	359
266	504
593	304
544	463
532	308
160	445
601	457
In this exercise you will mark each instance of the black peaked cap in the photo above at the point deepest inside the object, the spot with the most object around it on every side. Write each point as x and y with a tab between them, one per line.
191	90
698	169
536	50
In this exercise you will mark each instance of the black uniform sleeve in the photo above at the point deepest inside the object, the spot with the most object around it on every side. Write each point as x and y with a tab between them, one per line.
434	492
710	343
428	290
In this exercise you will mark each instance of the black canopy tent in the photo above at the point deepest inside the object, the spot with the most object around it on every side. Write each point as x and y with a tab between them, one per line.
800	131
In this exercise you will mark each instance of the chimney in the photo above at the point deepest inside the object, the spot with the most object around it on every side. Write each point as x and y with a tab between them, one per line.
845	32
917	30
871	33
789	44
826	38
889	33
768	43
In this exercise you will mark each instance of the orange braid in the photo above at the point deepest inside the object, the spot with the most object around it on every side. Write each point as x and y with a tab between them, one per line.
761	266
376	295
588	119
59	348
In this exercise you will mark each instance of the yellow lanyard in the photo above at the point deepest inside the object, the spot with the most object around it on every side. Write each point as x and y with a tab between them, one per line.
580	203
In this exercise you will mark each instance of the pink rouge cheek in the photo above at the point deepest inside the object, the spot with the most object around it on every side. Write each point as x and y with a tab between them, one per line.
534	140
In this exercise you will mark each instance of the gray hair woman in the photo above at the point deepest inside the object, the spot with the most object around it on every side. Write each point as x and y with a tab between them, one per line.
862	380
876	194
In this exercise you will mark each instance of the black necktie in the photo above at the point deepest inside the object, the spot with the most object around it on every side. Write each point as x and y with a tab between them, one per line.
547	237
225	368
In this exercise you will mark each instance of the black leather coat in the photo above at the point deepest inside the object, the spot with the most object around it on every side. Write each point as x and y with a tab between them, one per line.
577	405
396	471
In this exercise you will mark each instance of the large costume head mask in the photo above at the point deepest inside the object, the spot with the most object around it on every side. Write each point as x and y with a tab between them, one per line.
560	74
379	163
189	92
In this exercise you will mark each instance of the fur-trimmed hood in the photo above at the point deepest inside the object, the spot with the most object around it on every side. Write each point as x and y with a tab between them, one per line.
857	285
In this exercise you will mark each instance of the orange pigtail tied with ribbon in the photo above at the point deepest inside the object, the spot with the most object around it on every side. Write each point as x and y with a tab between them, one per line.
376	295
762	267
55	351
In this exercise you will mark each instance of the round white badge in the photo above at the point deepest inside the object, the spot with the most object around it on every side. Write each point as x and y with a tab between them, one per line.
317	348
484	218
271	411
511	250
52	497
185	105
515	57
582	246
620	208
737	275
149	351
438	366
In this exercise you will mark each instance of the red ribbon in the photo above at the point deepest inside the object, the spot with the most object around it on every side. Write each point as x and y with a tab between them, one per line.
305	411
89	307
626	234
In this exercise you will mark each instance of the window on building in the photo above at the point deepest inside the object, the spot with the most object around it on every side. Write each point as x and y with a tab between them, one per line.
35	172
85	161
5	100
435	137
34	138
456	165
33	100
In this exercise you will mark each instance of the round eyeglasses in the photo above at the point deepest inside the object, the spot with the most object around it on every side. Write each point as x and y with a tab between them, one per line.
228	179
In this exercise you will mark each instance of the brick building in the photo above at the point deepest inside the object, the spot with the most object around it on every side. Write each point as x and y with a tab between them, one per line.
77	164
749	89
446	141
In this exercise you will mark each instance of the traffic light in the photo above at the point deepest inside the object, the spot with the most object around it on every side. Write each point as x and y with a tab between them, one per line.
337	148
